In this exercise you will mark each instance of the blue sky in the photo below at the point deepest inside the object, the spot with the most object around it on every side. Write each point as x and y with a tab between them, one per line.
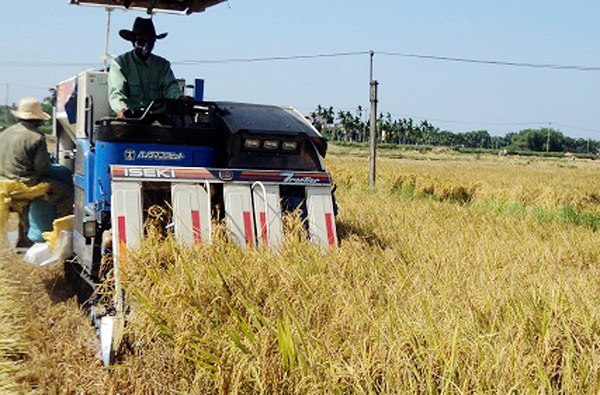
42	47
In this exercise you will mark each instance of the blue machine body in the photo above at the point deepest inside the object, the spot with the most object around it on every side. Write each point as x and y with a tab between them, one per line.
199	89
95	180
84	177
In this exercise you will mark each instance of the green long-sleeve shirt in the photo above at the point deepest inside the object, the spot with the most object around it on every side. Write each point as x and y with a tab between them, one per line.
23	154
133	83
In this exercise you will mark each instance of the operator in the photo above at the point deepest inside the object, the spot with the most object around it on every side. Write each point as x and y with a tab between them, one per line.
24	157
138	77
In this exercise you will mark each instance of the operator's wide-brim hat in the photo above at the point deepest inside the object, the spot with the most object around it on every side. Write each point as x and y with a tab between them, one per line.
30	109
142	27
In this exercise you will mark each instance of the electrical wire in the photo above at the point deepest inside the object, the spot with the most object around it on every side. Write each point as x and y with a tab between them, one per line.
47	64
577	127
193	62
488	124
268	59
354	53
494	62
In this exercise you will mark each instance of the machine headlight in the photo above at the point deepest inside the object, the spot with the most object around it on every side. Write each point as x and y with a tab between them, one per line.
252	143
289	145
89	228
271	144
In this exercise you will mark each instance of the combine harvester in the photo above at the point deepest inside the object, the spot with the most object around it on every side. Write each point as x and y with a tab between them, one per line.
243	164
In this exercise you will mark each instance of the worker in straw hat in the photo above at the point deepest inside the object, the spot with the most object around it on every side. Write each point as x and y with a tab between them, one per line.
138	77
24	155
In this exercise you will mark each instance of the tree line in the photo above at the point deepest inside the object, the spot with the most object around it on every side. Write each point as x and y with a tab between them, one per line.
350	127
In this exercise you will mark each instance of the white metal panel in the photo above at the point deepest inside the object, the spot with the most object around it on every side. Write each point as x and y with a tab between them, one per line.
321	219
94	85
191	213
267	214
127	229
126	216
60	121
238	213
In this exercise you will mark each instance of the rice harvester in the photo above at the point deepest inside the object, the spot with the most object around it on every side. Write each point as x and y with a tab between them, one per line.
204	161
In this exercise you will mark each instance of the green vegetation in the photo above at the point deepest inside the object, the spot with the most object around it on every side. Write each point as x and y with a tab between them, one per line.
345	126
7	119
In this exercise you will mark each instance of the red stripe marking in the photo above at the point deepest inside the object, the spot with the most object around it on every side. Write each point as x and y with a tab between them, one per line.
248	228
193	173
329	225
263	227
122	233
118	171
196	226
121	228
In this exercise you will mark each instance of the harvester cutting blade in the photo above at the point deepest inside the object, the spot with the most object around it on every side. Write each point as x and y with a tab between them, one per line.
110	335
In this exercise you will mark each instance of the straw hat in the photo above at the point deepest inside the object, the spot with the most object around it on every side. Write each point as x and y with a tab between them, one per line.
30	109
142	27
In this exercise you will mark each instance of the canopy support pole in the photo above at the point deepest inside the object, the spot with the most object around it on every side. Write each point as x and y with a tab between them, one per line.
107	38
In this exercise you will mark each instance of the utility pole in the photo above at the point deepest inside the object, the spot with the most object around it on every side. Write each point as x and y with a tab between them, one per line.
107	39
372	123
588	146
548	139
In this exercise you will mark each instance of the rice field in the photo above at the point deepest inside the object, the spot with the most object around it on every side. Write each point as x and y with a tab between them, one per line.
456	274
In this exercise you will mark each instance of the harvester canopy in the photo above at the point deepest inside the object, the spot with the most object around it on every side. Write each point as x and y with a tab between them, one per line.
151	6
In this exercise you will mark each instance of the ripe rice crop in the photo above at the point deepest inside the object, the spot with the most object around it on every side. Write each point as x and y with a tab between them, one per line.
12	342
453	275
423	295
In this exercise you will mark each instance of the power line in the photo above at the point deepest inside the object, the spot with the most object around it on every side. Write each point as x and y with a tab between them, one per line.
47	64
24	86
326	55
348	54
418	56
488	124
494	62
268	59
193	62
578	128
